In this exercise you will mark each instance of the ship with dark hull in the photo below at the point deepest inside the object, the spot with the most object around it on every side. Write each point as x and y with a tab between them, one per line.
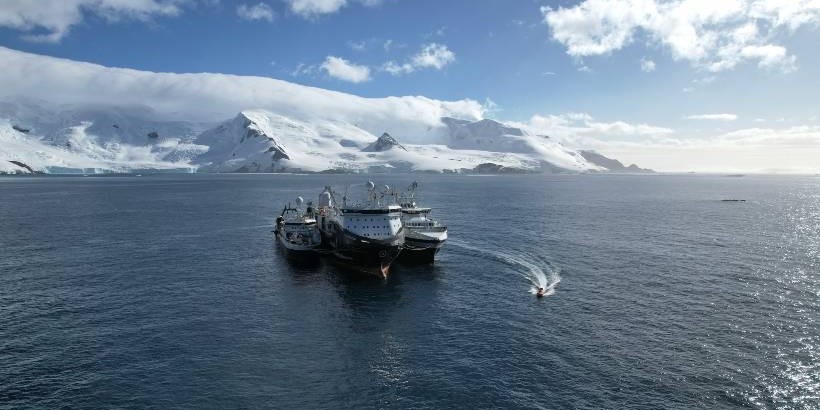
297	231
366	236
423	235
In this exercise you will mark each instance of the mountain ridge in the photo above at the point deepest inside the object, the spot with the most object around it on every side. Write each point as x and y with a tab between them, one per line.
83	117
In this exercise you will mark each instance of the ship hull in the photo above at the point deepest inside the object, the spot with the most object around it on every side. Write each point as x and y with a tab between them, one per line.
295	249
369	256
419	251
422	245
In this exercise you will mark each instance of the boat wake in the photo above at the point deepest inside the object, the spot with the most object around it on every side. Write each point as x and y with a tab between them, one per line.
539	273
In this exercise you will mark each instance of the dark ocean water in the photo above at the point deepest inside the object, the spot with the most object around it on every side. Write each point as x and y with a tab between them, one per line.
168	292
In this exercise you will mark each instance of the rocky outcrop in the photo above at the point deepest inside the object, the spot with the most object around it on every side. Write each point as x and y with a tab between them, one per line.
22	168
383	143
612	165
21	129
493	168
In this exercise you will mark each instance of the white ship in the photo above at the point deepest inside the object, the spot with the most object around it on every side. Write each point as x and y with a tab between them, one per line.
366	236
423	236
296	230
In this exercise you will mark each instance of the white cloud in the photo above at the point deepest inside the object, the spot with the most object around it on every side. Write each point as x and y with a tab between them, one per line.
713	35
374	42
569	126
431	55
768	150
315	8
791	149
212	97
398	69
712	117
770	56
647	65
490	107
259	11
57	17
303	69
342	69
310	8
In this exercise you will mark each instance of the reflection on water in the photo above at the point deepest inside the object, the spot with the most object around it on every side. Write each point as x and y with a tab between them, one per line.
790	283
115	294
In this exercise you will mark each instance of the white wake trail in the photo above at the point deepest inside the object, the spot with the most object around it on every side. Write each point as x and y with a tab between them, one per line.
539	273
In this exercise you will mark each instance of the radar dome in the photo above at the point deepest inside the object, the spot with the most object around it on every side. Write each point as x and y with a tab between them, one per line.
324	199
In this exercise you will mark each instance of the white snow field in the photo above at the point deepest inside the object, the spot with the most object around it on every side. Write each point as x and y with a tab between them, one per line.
59	115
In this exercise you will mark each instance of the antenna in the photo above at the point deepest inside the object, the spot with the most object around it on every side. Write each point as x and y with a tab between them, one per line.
344	198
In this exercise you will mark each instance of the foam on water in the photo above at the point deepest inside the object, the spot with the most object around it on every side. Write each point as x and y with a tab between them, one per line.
677	301
538	272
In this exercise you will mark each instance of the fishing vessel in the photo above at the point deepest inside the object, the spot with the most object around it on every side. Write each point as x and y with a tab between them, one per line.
423	235
366	236
296	230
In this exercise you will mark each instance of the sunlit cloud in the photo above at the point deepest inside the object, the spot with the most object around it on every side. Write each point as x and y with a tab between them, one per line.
712	35
433	55
342	69
260	11
315	8
57	17
712	117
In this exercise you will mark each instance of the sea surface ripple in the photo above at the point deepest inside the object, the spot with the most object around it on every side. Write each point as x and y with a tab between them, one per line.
168	291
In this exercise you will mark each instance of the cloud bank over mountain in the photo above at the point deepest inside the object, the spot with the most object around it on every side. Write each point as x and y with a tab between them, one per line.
210	97
64	115
81	115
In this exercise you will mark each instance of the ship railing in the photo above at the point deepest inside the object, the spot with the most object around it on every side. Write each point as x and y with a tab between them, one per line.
428	227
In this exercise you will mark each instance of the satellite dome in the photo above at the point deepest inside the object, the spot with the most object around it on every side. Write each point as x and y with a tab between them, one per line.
325	199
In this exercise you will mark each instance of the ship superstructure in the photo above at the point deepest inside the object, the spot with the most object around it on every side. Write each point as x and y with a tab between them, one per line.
424	236
296	229
367	235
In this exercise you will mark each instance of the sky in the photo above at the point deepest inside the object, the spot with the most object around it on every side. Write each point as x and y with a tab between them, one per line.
676	85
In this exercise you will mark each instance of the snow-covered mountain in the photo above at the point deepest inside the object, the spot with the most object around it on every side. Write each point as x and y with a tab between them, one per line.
111	139
384	143
261	141
64	116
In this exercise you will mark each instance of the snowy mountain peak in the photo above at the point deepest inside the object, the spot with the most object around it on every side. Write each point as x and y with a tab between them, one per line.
75	117
383	143
253	129
486	127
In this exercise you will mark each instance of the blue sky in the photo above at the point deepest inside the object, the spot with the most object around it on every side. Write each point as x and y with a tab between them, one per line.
697	68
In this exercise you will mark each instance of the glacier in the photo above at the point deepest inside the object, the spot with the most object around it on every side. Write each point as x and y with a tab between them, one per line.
63	116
